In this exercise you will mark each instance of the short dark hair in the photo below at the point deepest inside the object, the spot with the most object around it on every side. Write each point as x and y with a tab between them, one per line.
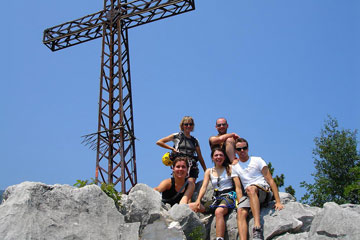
242	140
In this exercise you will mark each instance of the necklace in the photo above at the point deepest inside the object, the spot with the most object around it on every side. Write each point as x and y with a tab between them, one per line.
218	176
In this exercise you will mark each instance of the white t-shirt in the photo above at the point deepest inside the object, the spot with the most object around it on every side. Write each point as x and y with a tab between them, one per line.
250	171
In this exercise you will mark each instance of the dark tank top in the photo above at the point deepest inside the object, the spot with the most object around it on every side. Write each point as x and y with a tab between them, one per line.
168	195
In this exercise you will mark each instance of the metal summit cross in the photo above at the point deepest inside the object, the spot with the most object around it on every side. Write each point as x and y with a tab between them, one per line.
114	140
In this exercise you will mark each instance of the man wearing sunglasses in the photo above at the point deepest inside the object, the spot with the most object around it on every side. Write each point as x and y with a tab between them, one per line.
224	140
259	187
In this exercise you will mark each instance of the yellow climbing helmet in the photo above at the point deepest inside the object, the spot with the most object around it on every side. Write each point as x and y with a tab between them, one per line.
166	159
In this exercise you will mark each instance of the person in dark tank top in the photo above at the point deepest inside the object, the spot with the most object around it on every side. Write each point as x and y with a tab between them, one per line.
177	189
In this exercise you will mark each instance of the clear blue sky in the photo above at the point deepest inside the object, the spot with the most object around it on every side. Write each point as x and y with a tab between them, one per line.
273	68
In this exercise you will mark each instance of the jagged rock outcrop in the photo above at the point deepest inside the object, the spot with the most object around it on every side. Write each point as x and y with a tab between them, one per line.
39	211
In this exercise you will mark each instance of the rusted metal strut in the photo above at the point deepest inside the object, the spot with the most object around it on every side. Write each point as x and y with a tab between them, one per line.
115	139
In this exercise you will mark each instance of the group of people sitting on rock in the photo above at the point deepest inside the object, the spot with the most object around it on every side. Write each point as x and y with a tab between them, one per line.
240	181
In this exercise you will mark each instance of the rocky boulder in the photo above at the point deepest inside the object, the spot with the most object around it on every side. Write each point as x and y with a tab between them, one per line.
143	205
188	220
336	221
39	211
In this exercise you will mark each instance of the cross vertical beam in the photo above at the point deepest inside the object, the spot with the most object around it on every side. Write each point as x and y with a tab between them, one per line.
116	125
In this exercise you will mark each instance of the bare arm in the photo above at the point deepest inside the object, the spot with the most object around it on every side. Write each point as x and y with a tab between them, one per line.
162	142
200	157
239	193
222	138
164	185
267	175
203	187
237	182
188	193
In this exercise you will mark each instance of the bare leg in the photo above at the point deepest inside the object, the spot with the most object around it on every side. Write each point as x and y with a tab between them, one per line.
252	193
242	214
230	149
220	212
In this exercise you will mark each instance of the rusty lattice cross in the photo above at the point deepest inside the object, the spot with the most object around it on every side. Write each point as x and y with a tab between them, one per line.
114	140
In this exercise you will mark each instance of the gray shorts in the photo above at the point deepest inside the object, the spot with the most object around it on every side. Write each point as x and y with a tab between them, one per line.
264	197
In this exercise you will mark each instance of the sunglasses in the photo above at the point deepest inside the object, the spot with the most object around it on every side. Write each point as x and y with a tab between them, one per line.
221	124
188	124
241	148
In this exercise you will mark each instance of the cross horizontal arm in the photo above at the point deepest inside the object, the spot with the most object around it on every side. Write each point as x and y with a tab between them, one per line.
140	12
132	14
74	32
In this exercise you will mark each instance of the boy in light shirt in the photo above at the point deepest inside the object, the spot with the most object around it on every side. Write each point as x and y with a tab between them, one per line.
259	187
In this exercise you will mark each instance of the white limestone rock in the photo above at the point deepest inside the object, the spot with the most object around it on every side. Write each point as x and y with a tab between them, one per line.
143	204
161	230
37	211
188	219
336	221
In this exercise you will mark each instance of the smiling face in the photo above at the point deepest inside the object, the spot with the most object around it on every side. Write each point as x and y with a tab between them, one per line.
218	157
187	124
180	169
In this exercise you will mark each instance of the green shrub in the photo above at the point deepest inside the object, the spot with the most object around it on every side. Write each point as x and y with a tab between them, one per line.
197	234
109	189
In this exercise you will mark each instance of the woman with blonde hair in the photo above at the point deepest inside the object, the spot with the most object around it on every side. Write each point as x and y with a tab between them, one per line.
185	145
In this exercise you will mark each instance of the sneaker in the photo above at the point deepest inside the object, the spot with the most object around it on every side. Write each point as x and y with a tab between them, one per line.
258	233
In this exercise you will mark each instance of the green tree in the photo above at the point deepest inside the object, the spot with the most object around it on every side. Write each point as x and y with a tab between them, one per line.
291	190
280	180
337	163
352	191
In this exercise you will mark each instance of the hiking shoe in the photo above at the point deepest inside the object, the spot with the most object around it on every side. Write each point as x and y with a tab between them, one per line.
258	233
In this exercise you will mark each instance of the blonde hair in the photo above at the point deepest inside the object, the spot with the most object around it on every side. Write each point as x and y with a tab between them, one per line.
186	118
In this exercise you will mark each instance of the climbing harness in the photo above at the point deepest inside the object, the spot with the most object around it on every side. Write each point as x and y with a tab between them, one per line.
168	158
226	195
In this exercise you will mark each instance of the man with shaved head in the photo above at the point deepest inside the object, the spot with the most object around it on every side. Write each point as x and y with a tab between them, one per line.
224	140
